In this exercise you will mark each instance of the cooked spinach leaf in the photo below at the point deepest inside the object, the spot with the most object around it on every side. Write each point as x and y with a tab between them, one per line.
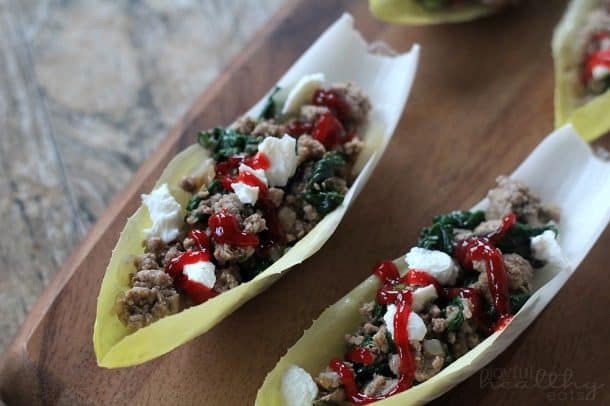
319	191
439	236
455	321
253	266
226	142
270	107
378	312
517	301
365	373
517	240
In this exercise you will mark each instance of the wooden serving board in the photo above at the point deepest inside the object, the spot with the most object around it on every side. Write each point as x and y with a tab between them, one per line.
482	100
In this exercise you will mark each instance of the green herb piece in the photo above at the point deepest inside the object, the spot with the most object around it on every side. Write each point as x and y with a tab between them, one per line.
270	107
193	203
226	142
517	240
439	236
319	192
367	341
214	187
455	320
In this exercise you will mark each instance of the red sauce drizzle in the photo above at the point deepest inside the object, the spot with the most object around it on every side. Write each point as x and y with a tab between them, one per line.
597	58
388	273
251	179
420	278
334	101
329	131
225	170
226	230
360	355
482	249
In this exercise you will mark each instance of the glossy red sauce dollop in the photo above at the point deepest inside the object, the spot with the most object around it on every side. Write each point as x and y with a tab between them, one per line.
329	131
226	230
225	170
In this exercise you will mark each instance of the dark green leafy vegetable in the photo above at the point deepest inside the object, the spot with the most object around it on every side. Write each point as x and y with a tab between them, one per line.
214	187
517	301
270	108
378	312
320	191
456	321
225	142
439	236
253	266
391	344
517	240
365	373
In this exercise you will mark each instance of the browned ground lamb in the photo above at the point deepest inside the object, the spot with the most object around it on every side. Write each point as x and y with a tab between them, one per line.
148	301
452	327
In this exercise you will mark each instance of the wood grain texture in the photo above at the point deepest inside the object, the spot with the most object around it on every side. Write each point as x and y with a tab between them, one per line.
481	102
88	89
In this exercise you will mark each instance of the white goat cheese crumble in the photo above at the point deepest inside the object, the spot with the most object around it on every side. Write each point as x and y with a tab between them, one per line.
165	213
201	272
298	387
416	328
282	154
435	263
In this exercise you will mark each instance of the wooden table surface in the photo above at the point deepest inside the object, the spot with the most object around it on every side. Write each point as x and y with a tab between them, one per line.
481	102
88	89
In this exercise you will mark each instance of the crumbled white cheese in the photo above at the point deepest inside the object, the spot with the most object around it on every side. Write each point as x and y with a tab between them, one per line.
422	296
435	263
282	158
245	193
302	92
165	213
600	72
298	388
201	272
259	173
545	248
416	328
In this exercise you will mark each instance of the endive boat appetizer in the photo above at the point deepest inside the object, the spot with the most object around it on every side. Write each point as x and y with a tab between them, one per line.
248	201
581	51
419	12
474	281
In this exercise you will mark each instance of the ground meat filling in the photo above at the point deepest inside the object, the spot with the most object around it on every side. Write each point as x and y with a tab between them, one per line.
269	223
462	315
511	196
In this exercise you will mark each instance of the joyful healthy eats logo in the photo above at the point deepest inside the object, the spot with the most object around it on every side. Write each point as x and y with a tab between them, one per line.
558	385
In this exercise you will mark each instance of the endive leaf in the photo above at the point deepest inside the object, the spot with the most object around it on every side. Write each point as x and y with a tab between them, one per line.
590	118
413	13
563	171
342	55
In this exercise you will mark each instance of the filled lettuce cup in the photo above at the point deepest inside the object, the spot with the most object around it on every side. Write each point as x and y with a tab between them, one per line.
421	12
581	52
421	324
248	201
